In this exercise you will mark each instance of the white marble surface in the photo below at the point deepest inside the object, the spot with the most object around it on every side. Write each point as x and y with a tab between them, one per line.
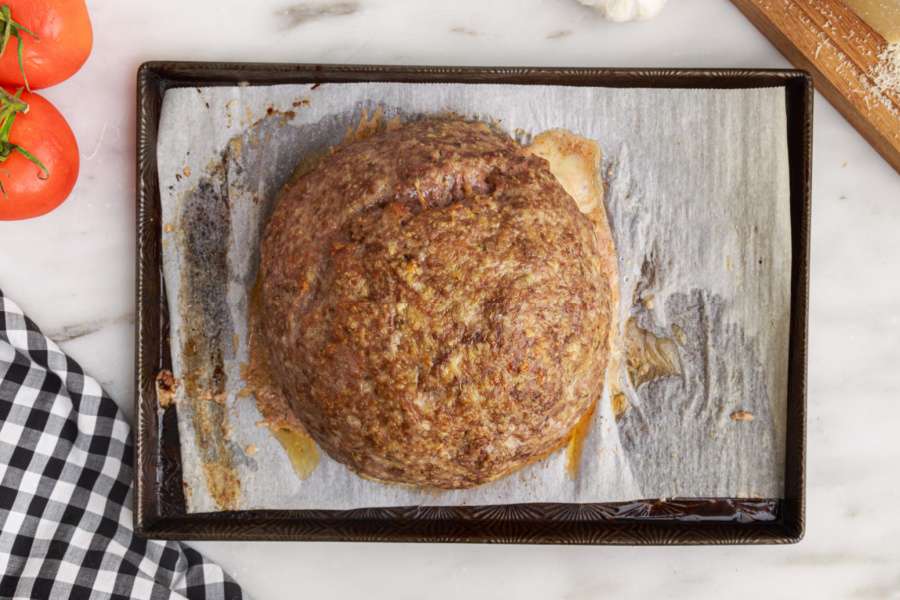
72	271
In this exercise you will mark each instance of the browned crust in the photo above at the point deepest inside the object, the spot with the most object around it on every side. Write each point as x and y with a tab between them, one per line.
166	387
434	306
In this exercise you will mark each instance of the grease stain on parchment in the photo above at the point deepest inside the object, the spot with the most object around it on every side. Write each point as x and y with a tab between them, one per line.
301	450
575	447
208	337
278	417
649	356
204	228
370	125
620	404
711	393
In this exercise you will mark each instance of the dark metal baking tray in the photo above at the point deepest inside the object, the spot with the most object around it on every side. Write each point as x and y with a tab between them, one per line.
160	509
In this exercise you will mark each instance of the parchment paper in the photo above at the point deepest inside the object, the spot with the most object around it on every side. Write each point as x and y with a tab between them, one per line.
698	199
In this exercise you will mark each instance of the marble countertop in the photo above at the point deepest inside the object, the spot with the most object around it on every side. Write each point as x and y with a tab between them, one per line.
73	272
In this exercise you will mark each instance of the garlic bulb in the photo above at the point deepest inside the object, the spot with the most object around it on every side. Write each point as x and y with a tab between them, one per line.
626	10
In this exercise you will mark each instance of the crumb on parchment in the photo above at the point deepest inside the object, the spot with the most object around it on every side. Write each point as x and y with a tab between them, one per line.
742	415
166	384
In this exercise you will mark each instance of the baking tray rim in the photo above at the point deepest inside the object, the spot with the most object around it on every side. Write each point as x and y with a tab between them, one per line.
578	525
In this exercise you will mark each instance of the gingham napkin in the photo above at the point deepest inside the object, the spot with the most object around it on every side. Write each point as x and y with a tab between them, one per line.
65	487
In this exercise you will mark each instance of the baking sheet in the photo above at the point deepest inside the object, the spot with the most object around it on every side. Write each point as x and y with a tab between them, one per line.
697	195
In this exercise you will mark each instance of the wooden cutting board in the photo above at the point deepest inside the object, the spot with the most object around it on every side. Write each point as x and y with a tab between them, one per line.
841	51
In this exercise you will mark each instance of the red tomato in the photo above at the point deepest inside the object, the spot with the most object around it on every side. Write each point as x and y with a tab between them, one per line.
43	132
61	43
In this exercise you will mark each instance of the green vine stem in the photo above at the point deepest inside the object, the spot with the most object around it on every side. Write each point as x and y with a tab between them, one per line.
10	106
11	29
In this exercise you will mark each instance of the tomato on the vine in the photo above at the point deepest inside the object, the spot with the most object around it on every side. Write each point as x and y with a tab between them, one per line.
42	42
38	156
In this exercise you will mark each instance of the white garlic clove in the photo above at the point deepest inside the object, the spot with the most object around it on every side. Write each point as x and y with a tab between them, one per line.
626	10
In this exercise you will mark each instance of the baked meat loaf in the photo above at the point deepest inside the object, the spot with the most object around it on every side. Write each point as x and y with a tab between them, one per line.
433	305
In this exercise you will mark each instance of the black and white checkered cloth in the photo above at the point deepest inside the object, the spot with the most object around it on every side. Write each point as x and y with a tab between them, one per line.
65	487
